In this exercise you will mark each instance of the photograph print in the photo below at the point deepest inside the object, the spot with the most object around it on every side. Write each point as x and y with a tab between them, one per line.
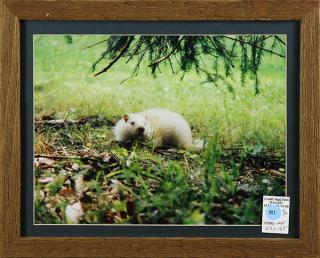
158	129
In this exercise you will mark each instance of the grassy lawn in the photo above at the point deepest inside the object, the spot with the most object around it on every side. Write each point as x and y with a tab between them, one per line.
79	162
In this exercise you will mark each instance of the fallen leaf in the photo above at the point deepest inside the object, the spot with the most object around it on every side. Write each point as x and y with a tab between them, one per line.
43	162
75	166
73	213
266	181
46	161
79	184
46	180
67	182
68	166
105	156
66	192
220	221
109	217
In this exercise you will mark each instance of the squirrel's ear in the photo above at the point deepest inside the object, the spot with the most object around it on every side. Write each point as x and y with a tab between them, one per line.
125	117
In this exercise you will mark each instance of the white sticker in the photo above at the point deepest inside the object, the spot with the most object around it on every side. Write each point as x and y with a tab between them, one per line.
275	214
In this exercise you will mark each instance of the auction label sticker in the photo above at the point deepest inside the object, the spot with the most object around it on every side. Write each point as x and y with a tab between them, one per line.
275	214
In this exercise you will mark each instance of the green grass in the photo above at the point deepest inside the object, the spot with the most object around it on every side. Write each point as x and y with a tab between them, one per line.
139	184
63	82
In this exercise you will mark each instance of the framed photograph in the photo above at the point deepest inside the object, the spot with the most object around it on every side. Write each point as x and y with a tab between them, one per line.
159	129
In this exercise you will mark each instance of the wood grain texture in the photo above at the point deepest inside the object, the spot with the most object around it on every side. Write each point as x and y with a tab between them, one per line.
12	245
159	10
310	130
10	156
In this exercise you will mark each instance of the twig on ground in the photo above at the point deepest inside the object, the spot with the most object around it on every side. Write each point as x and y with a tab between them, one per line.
91	157
66	157
272	172
59	123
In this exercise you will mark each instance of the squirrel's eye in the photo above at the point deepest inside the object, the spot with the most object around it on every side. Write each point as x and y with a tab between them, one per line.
132	123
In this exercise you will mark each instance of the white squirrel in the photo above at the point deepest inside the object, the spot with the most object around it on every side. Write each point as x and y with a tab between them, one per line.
162	126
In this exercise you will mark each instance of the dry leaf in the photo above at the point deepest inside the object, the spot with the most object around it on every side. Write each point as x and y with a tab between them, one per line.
105	156
46	180
75	166
66	192
79	184
73	213
46	161
43	162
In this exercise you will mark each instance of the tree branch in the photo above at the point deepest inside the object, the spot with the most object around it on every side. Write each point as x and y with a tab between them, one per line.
139	43
95	44
168	55
245	42
122	51
278	38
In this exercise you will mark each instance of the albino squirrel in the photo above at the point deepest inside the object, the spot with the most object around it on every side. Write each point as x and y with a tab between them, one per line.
162	126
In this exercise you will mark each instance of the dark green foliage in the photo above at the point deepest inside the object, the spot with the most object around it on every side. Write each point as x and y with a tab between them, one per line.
68	39
205	54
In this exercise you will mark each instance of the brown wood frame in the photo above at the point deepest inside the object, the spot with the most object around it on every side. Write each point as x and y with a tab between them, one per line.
13	245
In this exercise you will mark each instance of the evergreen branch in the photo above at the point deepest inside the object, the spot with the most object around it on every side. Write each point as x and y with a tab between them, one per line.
168	55
183	52
264	38
178	62
254	45
95	44
278	38
141	56
136	69
225	54
171	66
122	51
169	59
135	52
280	43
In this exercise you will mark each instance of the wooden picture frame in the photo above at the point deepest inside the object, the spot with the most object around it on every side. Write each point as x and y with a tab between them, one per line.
14	245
